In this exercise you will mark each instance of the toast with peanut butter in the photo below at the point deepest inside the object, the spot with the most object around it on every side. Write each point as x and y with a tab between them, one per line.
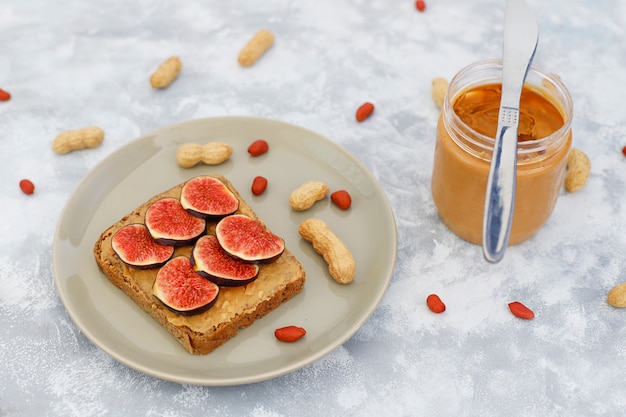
230	304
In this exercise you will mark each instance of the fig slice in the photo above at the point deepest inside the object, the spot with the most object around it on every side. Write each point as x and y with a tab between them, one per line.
170	224
248	240
208	197
134	245
183	290
212	262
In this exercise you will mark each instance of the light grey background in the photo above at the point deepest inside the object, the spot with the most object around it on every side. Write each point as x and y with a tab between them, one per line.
71	64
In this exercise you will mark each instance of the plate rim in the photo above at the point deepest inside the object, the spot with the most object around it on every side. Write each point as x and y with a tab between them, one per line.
213	381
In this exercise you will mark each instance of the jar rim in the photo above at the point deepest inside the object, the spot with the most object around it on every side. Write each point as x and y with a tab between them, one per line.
555	88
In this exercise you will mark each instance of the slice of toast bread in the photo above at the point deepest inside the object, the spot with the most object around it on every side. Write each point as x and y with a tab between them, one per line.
235	308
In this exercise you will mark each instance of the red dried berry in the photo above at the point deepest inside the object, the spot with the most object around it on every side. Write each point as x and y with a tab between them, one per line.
435	304
4	95
624	150
289	334
258	147
520	310
259	184
364	111
341	199
27	186
420	5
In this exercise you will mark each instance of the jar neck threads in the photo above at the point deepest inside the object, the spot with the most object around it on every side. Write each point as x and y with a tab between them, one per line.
489	72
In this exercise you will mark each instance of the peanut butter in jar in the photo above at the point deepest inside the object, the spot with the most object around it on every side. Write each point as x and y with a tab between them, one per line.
465	136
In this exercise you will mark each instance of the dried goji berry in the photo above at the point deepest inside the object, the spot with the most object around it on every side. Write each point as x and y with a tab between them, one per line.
624	150
4	95
364	111
27	186
258	147
520	310
341	199
289	333
420	5
435	304
259	184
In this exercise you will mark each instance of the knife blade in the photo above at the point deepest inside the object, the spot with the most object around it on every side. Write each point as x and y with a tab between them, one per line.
519	46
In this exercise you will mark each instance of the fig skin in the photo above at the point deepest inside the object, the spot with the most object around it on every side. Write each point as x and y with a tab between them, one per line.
182	290
134	246
170	224
248	240
211	261
208	198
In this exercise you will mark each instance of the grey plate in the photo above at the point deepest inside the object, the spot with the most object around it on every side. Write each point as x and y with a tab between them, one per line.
330	312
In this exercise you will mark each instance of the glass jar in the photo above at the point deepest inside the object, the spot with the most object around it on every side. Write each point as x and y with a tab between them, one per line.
465	138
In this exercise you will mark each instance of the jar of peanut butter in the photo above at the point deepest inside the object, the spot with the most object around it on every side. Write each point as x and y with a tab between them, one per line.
465	137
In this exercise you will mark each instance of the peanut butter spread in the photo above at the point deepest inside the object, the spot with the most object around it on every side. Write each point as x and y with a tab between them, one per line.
231	301
459	177
479	108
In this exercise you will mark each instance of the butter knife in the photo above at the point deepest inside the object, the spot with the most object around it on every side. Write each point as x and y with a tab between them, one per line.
520	43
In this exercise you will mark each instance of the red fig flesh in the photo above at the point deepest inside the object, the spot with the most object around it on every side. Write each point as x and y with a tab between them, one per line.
208	197
170	224
183	290
212	262
248	240
134	245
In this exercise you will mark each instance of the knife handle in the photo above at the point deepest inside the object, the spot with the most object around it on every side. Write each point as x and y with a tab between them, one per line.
500	193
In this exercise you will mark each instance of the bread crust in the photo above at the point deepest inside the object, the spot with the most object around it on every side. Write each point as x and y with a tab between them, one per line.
236	307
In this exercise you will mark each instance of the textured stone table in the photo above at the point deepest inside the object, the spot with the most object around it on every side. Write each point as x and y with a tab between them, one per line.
72	64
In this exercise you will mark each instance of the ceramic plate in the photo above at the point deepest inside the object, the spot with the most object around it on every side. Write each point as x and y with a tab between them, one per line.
330	312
